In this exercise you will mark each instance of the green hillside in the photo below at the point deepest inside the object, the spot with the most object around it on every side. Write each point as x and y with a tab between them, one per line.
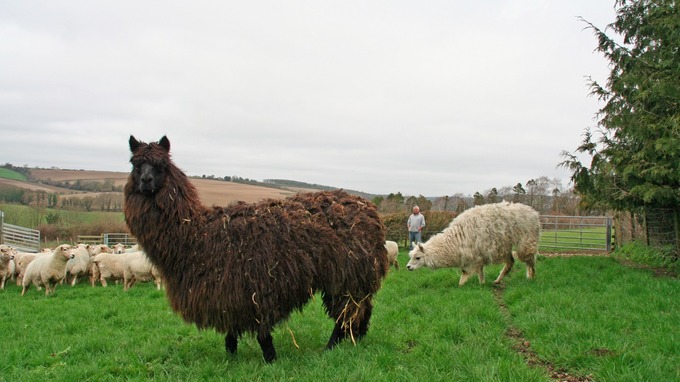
9	174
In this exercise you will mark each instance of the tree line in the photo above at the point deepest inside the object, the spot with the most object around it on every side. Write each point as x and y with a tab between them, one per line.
547	196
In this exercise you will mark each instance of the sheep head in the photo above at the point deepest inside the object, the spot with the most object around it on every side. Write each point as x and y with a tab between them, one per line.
66	251
6	252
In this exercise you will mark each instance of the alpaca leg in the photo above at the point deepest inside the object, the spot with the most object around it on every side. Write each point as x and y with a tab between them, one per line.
231	343
480	274
365	321
267	345
509	262
338	335
463	278
531	264
335	311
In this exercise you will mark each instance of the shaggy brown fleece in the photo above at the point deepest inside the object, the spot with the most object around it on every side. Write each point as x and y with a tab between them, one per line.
246	267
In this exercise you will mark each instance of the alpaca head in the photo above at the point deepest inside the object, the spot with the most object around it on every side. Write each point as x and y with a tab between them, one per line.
416	257
149	164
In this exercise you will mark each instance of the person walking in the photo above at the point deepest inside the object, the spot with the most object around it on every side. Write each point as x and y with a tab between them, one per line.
415	224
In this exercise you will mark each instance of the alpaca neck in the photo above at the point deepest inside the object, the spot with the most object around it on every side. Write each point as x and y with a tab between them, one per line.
166	222
441	253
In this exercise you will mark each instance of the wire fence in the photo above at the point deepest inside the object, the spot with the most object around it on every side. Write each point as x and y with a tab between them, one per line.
656	227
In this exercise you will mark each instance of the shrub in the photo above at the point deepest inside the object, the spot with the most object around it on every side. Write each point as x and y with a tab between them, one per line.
655	256
435	222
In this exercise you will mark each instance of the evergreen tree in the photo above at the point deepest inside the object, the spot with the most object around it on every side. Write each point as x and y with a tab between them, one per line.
636	161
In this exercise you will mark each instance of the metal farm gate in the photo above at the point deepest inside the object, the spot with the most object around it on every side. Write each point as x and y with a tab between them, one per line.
576	233
109	239
126	239
22	238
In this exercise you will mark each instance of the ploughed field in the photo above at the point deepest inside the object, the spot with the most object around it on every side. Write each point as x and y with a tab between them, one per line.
211	192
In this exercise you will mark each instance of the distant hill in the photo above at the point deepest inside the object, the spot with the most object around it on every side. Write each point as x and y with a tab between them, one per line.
11	174
212	191
302	185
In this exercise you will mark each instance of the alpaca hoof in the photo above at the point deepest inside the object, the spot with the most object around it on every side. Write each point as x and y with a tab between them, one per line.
269	357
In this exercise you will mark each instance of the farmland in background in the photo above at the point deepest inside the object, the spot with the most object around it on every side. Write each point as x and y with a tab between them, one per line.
211	191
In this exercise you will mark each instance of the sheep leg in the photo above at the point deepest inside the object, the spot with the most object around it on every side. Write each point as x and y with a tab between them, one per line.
231	343
267	345
509	262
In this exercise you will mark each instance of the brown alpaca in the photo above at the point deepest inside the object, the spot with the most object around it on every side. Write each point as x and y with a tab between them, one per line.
246	267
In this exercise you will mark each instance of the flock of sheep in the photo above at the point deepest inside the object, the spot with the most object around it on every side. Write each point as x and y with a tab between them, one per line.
68	264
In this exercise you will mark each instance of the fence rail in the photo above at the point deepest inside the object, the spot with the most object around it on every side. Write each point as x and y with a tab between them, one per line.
115	238
109	239
90	239
589	233
22	238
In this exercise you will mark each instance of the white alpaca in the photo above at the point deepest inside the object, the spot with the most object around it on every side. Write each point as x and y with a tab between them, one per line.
480	236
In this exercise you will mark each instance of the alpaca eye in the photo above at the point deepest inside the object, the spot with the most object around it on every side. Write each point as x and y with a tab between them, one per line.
418	258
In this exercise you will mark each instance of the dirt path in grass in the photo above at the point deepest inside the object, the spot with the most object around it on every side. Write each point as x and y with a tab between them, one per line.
523	346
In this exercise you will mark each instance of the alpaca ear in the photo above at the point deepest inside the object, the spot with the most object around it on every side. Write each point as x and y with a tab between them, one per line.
420	246
134	144
165	143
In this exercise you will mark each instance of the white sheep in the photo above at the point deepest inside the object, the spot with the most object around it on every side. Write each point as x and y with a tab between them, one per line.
392	252
134	248
80	265
47	270
137	267
109	266
93	272
22	260
13	264
480	236
6	264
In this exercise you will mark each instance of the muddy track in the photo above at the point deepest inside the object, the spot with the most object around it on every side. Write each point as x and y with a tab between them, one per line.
522	345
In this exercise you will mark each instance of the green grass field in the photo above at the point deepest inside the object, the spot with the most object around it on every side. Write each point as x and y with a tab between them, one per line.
585	315
31	217
9	174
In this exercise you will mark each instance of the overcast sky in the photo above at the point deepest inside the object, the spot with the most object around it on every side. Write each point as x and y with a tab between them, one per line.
417	97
